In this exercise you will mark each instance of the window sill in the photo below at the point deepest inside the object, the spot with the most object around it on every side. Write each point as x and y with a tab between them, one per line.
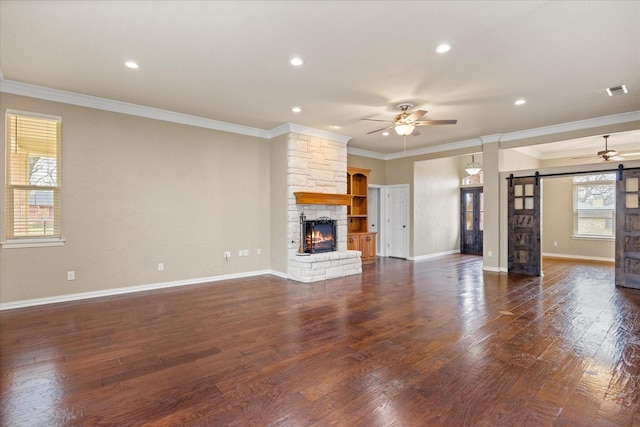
585	237
32	243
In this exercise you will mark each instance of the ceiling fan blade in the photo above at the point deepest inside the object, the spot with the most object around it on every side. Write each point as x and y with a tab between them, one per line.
378	130
435	122
377	120
415	115
415	132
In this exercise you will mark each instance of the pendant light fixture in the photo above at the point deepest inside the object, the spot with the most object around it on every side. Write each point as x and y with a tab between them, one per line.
473	167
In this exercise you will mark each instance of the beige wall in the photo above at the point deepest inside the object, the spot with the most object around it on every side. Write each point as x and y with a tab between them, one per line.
278	204
512	160
436	206
376	166
557	217
137	192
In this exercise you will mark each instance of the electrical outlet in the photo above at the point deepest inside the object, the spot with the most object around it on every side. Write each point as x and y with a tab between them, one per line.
227	254
240	252
258	251
71	275
490	253
555	243
160	266
245	252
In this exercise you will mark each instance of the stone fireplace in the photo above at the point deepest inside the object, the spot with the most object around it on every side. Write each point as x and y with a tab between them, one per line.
317	166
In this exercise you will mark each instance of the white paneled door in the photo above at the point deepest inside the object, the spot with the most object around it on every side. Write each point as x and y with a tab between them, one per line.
398	219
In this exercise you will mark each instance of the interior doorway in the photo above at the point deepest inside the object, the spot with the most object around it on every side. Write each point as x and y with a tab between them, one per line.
374	215
471	220
398	221
596	194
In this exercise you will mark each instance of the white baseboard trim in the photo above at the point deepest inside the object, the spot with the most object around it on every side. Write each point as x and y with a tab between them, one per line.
569	256
279	274
131	289
429	256
494	269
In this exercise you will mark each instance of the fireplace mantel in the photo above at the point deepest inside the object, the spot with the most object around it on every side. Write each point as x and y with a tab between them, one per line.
308	198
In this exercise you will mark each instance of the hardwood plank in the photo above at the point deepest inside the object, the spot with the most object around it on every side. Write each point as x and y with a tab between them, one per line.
438	342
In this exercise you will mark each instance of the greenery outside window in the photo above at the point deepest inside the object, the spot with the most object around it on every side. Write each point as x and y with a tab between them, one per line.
32	197
594	206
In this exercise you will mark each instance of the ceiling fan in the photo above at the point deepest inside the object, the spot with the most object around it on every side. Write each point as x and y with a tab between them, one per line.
406	122
607	153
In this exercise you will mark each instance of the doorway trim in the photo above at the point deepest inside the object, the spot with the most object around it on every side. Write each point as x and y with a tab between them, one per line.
384	229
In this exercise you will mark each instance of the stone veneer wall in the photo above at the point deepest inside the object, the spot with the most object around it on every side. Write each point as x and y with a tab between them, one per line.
318	165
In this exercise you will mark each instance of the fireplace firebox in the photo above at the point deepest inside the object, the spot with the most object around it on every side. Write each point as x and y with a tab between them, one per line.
318	235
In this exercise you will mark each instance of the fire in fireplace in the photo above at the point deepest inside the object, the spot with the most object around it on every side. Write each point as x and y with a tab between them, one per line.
318	235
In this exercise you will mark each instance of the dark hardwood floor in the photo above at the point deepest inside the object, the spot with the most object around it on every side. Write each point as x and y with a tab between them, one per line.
433	343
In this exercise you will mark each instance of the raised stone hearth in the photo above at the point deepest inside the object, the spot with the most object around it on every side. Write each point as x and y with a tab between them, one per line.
317	165
329	265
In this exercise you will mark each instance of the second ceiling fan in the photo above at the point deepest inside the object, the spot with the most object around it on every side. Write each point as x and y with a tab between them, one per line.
406	122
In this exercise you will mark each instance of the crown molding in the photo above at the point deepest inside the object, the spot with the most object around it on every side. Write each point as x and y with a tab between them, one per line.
531	152
72	98
476	142
366	153
630	116
614	119
294	128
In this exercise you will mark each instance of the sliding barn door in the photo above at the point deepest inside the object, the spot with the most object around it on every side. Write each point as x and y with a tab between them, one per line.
628	229
525	252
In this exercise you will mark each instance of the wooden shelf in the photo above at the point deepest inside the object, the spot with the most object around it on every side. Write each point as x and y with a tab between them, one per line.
358	236
306	198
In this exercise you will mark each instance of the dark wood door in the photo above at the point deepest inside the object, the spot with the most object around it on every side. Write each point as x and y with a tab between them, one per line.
628	230
471	220
525	251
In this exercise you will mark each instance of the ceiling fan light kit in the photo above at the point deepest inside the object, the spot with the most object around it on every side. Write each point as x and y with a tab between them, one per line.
404	130
406	122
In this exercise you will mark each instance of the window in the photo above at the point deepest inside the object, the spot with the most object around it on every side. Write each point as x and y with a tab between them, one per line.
594	205
33	177
476	179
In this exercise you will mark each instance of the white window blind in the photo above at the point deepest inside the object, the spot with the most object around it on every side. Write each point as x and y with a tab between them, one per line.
33	176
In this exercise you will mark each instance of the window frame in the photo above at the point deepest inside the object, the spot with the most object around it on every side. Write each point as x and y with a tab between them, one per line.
9	239
611	181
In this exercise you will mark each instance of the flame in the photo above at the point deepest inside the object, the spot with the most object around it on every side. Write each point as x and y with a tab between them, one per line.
316	237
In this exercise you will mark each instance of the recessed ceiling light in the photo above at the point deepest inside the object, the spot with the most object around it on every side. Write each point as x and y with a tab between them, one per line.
296	109
385	133
335	127
131	64
296	61
520	102
443	48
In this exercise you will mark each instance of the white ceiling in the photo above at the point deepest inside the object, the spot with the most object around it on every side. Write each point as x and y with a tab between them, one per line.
229	61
